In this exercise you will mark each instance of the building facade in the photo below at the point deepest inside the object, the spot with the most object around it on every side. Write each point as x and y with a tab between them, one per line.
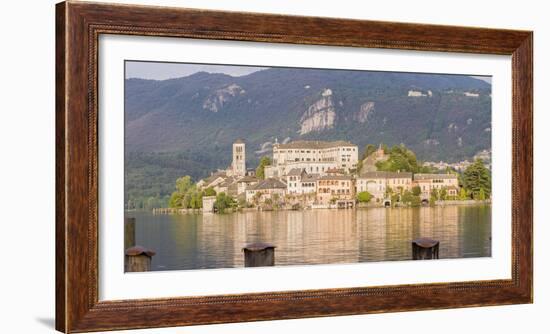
313	157
244	183
271	188
378	184
299	182
335	189
429	182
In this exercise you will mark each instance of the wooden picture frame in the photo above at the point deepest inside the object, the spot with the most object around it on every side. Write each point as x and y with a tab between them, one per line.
78	26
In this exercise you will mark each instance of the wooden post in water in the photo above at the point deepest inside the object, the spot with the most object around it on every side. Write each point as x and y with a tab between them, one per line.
138	259
259	255
425	249
129	232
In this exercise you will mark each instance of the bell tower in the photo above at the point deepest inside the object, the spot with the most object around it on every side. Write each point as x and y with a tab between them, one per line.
239	158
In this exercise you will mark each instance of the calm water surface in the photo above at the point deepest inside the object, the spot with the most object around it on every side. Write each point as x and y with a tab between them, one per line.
196	241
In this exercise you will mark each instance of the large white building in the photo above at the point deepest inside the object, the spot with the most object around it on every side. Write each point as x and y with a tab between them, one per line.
312	156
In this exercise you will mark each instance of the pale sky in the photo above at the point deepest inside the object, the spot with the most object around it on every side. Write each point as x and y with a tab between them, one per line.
164	70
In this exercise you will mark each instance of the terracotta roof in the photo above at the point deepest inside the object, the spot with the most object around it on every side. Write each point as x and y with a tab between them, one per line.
315	144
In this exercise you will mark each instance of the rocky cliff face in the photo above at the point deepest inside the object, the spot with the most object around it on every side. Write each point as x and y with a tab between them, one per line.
216	100
364	112
320	115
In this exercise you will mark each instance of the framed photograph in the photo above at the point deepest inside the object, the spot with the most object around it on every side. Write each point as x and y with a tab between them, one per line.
221	167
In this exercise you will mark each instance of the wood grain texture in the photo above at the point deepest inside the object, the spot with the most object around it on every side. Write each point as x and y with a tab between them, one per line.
78	28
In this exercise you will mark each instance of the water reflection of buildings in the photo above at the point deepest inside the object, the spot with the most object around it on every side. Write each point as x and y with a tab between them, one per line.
320	236
387	234
301	237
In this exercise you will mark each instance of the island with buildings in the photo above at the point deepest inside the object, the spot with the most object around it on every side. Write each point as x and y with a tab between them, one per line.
323	174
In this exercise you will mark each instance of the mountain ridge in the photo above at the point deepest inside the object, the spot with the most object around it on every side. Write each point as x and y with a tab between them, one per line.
199	116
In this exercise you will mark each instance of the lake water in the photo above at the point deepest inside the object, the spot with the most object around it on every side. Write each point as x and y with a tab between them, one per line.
322	236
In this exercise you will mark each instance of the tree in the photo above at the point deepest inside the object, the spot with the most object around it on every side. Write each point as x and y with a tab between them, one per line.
175	200
186	201
260	170
364	197
415	201
410	198
209	192
369	149
242	203
477	177
257	197
406	197
394	199
462	195
400	159
443	194
183	184
275	198
416	190
359	166
196	199
223	202
434	196
481	196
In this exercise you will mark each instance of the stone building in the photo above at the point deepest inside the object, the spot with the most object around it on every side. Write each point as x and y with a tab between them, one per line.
377	183
208	203
228	186
299	182
313	157
245	182
428	182
336	189
270	188
213	180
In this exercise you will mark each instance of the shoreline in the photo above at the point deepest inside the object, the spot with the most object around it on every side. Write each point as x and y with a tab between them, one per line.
169	211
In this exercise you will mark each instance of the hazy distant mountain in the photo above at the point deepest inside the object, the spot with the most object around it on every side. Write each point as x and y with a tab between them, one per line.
199	116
